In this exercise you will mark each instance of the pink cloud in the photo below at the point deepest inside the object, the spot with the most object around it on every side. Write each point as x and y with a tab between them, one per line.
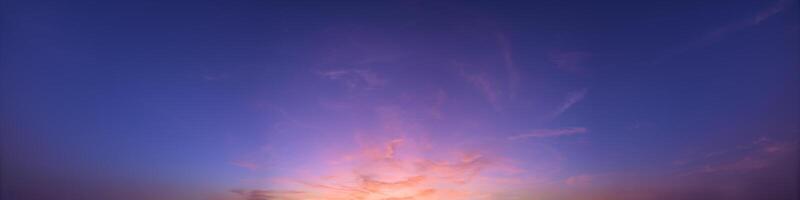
393	171
541	133
579	180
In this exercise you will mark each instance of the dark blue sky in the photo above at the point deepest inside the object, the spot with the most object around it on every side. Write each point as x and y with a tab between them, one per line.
402	99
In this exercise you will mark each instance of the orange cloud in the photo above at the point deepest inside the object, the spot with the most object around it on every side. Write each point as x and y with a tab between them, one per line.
388	171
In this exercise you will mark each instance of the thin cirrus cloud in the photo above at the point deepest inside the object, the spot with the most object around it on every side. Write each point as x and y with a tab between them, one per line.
245	164
579	180
571	99
493	91
544	133
759	17
486	87
570	61
720	32
760	154
355	79
439	100
508	61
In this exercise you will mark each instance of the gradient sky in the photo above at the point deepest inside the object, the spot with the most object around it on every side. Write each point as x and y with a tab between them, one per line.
390	100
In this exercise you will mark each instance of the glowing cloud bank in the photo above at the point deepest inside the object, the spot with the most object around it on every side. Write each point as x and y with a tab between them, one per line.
399	170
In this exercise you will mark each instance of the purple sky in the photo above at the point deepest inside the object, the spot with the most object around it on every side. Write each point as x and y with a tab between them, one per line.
392	100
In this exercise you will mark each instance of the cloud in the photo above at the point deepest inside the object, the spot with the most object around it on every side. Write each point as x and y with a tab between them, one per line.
570	61
718	33
439	99
769	12
395	170
572	98
579	180
761	16
245	164
760	154
485	86
216	77
355	78
542	133
636	125
269	194
390	148
508	61
490	89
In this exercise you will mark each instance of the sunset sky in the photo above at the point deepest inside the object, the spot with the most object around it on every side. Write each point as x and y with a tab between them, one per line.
399	100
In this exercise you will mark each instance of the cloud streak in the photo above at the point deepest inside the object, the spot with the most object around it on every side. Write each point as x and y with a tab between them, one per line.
579	180
569	61
355	78
720	32
485	86
571	99
439	100
544	133
760	154
245	164
508	61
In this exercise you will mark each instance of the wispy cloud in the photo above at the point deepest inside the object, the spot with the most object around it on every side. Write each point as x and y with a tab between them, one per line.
761	16
770	11
485	86
571	99
759	154
570	61
270	194
245	164
720	32
508	61
261	159
216	77
579	180
542	133
355	78
439	99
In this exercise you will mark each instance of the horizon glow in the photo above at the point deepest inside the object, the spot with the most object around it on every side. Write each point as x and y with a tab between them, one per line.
408	100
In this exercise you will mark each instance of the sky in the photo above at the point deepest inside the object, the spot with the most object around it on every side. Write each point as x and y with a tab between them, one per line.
399	100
